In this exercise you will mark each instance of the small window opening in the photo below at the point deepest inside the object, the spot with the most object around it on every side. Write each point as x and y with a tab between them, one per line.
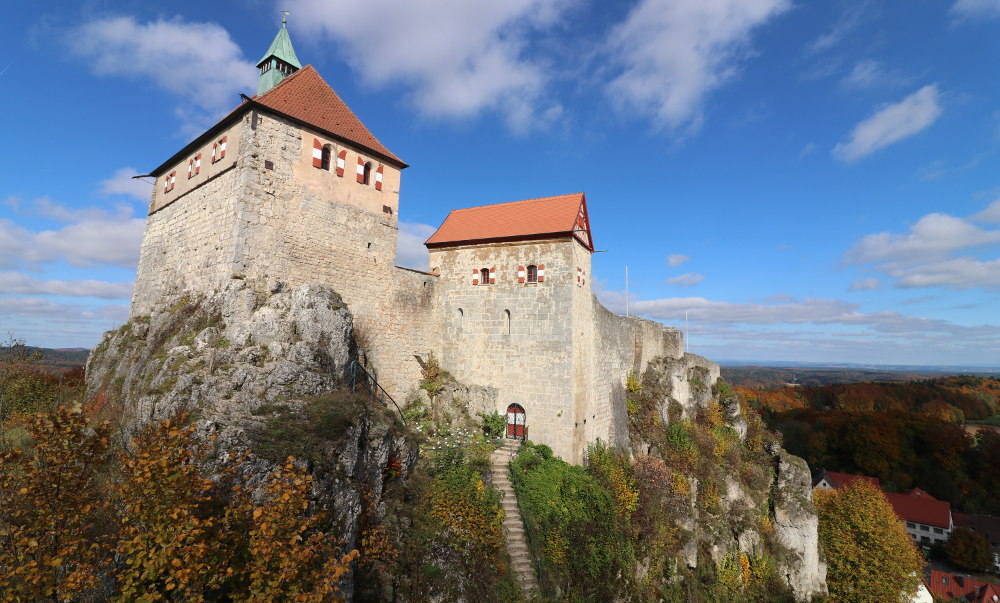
484	276
506	322
367	173
325	158
532	274
461	318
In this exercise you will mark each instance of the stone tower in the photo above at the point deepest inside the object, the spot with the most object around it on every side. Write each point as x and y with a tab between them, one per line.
290	186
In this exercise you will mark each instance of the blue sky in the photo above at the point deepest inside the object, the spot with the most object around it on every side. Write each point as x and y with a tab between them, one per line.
808	181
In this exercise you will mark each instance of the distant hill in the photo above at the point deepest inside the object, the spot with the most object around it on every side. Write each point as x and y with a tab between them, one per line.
767	377
60	360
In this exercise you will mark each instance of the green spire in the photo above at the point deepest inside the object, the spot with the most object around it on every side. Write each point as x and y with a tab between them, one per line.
279	61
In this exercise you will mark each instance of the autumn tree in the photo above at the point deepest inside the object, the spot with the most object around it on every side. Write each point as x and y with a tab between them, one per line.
52	506
870	557
969	550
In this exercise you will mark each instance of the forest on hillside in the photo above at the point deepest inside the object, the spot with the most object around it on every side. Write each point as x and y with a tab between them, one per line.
906	434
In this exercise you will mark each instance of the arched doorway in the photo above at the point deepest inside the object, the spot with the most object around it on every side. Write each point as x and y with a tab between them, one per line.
515	422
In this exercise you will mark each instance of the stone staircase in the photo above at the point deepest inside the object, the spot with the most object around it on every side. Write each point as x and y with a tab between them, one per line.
517	543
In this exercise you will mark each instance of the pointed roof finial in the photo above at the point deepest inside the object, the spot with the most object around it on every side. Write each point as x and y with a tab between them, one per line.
284	17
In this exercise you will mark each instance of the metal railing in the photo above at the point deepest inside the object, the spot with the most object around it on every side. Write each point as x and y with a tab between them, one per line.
361	377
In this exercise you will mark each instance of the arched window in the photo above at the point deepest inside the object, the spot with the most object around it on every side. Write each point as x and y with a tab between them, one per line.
325	158
532	274
506	322
484	276
461	318
367	178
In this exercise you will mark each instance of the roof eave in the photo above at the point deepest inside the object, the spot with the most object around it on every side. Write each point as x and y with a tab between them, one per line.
512	239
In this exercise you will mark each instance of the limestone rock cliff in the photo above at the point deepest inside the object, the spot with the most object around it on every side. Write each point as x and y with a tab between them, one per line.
262	368
764	494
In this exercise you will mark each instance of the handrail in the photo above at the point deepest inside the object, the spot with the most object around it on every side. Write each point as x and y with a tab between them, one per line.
359	373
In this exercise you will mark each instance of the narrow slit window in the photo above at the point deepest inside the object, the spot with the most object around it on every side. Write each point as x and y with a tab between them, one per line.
506	322
460	318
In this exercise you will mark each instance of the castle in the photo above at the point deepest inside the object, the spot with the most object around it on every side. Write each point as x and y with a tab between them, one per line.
292	186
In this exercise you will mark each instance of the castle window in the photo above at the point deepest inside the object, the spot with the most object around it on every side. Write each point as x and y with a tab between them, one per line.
367	176
484	276
461	318
532	274
506	322
325	158
219	149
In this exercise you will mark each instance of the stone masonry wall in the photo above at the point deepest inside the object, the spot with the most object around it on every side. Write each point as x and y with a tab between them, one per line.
191	230
533	364
622	346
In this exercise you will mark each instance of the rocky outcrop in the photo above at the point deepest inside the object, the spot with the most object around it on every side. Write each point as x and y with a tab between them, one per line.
764	494
266	369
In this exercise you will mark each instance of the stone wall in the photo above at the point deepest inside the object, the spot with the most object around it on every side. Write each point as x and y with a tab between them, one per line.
532	364
191	230
622	346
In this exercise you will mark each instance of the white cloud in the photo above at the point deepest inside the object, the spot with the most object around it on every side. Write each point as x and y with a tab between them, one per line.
410	250
932	237
28	307
676	259
956	273
16	282
123	183
865	284
990	214
458	57
686	280
675	52
891	124
849	20
868	74
197	62
93	242
972	9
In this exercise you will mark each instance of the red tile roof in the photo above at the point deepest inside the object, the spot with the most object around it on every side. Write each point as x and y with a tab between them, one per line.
547	217
306	97
947	587
920	507
839	480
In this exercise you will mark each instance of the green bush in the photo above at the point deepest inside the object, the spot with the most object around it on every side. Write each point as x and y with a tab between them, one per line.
494	424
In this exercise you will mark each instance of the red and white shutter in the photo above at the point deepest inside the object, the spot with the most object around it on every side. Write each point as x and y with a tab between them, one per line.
541	273
190	168
361	170
222	147
215	150
493	275
520	274
173	179
378	178
197	164
166	183
317	153
341	162
578	273
583	277
475	276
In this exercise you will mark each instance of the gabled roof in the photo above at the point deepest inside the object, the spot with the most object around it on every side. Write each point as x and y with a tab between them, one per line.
949	587
839	480
281	47
920	507
306	99
986	525
532	219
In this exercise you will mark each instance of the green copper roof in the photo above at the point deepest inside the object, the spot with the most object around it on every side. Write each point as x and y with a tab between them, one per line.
281	47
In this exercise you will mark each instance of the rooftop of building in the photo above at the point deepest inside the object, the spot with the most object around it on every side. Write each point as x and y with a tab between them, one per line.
987	525
920	507
950	587
839	480
531	219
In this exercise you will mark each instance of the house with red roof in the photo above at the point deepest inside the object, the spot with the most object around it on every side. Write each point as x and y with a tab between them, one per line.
953	587
928	520
291	189
832	480
987	526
